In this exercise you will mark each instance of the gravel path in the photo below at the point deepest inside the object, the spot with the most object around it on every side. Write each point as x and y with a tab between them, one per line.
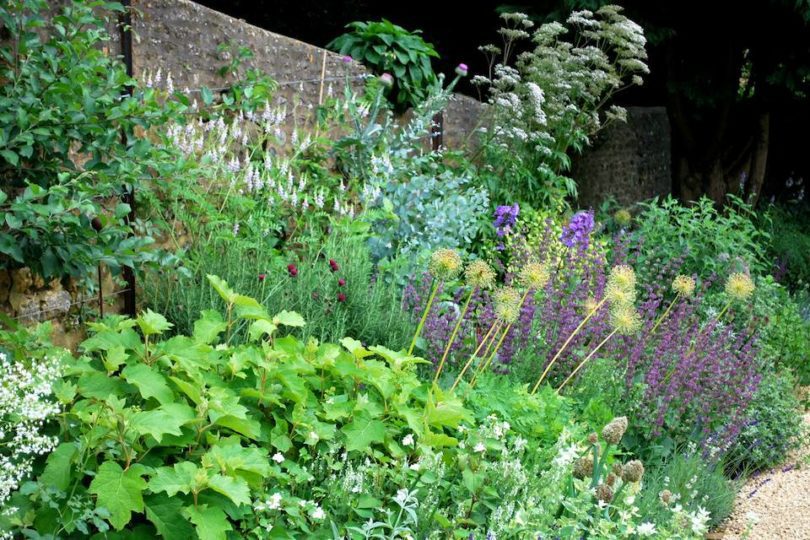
775	505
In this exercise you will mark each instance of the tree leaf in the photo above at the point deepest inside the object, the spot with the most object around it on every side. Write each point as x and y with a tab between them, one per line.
235	488
119	491
165	514
210	521
172	480
162	421
149	382
363	431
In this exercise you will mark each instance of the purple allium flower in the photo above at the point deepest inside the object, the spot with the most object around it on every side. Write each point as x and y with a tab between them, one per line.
578	231
505	219
461	70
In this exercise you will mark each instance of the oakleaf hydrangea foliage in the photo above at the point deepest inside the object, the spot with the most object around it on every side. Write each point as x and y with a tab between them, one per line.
25	406
552	98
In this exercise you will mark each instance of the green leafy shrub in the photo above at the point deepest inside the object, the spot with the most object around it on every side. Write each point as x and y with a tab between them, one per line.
685	479
363	307
388	48
790	243
784	333
62	154
774	426
706	239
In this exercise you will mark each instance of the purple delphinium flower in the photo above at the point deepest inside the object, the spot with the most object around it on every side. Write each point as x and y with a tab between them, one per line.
578	231
505	219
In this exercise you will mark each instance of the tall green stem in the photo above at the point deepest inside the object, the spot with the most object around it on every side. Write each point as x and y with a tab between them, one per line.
453	334
567	341
664	315
581	364
473	356
424	316
484	366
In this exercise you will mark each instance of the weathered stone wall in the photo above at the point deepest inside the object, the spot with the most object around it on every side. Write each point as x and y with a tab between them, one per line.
628	161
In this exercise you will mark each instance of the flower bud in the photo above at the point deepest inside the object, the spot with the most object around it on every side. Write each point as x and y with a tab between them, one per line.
292	270
461	70
583	467
633	471
387	80
604	493
614	431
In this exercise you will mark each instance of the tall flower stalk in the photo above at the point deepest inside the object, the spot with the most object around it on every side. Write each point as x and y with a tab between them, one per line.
478	275
445	264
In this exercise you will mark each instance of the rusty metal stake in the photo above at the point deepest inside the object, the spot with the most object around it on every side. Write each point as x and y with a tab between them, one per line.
125	27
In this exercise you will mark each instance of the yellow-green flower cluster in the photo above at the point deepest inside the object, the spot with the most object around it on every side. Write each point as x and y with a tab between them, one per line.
740	286
684	285
479	274
445	264
625	319
623	217
534	276
621	286
507	304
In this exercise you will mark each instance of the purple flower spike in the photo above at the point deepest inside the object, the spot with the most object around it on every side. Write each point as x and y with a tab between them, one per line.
505	219
578	231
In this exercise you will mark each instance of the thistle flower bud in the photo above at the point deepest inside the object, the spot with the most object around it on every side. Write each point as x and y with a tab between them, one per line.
507	304
534	275
740	286
444	264
461	70
623	217
633	471
583	467
387	80
625	320
684	285
614	431
604	493
479	274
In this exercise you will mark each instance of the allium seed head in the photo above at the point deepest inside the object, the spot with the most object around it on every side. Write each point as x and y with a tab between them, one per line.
625	319
684	285
445	264
623	217
611	479
740	286
619	296
614	431
534	275
591	304
604	493
583	467
479	274
622	276
665	496
507	304
633	471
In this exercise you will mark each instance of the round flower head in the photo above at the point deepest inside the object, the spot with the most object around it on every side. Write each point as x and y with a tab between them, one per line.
591	304
583	467
622	276
619	296
461	70
684	285
445	264
479	274
534	275
739	286
387	80
633	471
665	496
614	431
625	319
623	217
604	493
507	304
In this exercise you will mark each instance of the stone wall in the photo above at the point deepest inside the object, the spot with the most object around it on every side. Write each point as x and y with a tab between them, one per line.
628	161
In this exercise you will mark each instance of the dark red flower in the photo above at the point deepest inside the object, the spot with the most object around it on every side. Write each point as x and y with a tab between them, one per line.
341	297
342	282
261	277
333	265
292	269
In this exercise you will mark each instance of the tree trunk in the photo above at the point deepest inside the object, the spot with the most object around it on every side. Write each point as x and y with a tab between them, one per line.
759	159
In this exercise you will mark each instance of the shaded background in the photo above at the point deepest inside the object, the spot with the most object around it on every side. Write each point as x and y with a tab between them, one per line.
695	52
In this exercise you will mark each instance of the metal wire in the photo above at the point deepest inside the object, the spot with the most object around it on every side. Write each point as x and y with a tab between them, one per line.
88	300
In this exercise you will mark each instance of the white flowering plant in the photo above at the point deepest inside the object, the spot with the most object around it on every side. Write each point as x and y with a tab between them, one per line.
552	98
